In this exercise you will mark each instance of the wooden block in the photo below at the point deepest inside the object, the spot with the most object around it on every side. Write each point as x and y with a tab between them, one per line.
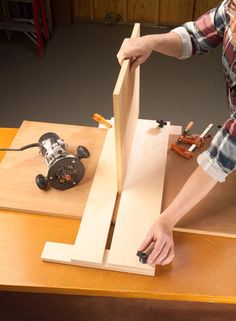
141	198
62	253
19	169
94	228
126	113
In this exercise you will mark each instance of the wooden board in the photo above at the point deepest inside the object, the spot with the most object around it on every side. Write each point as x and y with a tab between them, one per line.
139	205
18	171
62	253
126	113
141	197
94	228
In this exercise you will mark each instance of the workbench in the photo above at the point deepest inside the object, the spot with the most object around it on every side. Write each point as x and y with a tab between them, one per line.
203	270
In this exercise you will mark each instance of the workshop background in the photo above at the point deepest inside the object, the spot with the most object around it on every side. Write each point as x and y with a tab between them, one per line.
73	79
77	74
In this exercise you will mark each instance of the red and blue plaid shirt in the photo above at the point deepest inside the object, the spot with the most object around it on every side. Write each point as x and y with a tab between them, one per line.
200	37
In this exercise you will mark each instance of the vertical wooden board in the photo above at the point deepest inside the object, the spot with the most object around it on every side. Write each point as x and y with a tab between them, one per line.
175	11
141	197
94	228
102	8
203	6
126	113
82	9
143	11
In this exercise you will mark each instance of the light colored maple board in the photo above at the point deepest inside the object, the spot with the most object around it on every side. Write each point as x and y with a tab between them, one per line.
62	253
141	198
19	169
139	206
94	228
126	113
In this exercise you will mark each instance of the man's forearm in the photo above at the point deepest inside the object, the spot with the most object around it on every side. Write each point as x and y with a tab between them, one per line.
169	44
198	185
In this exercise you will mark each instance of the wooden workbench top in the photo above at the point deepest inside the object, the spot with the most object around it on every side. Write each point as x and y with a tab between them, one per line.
203	270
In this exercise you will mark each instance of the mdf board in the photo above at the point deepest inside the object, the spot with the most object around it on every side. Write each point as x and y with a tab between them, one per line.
143	11
126	113
203	6
175	11
103	8
19	169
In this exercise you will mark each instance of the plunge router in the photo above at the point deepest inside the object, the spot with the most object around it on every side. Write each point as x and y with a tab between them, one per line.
64	169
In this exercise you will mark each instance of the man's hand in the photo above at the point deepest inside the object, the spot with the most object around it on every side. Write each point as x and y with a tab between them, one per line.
138	49
161	234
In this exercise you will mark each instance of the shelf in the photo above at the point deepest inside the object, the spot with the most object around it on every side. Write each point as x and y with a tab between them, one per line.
16	26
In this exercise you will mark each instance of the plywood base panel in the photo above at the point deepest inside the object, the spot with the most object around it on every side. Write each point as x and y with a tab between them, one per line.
19	169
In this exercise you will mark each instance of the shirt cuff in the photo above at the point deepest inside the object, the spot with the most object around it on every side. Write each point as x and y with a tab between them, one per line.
187	48
211	167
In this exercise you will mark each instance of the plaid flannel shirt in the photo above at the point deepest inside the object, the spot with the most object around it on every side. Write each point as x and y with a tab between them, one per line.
200	37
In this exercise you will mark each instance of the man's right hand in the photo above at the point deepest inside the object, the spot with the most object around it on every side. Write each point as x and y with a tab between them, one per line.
161	234
136	49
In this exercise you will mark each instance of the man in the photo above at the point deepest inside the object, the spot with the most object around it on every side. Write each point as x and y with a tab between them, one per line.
206	33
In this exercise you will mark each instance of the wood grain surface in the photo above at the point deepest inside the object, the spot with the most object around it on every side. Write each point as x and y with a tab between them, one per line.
19	169
83	9
175	11
202	6
143	11
126	96
203	270
103	8
141	197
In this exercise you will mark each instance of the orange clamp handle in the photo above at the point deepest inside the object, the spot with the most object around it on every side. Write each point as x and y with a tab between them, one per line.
181	151
101	120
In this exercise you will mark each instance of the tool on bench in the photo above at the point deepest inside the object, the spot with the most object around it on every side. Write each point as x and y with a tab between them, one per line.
64	169
101	120
193	140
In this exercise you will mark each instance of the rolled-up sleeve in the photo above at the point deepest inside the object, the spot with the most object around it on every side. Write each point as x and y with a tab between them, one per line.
186	42
220	159
203	35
